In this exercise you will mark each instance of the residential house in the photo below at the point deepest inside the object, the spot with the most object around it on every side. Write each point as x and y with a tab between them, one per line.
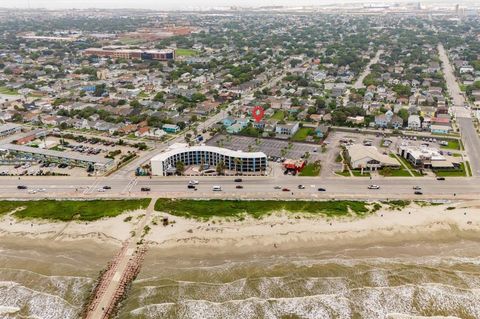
414	122
171	128
287	129
321	131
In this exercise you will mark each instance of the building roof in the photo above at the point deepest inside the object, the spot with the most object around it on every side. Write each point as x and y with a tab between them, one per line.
9	126
179	148
358	152
65	155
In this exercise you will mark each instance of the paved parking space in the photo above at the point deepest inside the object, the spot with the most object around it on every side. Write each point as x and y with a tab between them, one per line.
271	147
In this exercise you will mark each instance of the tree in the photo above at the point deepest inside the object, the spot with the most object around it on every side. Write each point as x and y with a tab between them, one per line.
180	167
159	97
403	113
220	168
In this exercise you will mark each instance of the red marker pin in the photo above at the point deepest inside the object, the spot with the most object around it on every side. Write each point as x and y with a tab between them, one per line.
258	113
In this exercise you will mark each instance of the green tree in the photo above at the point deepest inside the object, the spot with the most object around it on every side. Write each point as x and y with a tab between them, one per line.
180	167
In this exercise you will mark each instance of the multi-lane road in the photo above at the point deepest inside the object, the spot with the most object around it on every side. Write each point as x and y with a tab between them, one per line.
462	113
253	187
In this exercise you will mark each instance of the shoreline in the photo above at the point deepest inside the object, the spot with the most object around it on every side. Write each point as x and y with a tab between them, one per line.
280	233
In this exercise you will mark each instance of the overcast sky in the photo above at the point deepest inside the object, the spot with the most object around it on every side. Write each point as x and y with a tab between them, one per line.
175	4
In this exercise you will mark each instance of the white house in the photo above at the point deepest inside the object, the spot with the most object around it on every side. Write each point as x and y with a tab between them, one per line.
414	122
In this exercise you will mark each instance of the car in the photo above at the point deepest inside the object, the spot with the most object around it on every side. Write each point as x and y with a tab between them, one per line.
417	188
237	180
193	182
418	193
373	186
277	187
217	188
440	178
41	190
21	187
239	186
301	187
285	190
191	186
107	187
320	189
145	189
32	191
101	190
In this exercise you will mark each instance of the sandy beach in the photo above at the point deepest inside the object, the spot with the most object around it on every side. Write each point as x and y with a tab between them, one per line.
225	268
278	232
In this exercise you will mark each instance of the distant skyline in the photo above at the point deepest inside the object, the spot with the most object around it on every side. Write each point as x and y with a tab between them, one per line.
189	4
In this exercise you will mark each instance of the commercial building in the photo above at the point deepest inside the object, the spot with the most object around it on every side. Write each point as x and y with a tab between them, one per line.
427	157
237	161
368	157
9	129
32	153
118	52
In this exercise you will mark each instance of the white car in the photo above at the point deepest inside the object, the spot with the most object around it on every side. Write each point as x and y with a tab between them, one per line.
32	191
193	182
101	190
417	188
277	187
41	190
373	186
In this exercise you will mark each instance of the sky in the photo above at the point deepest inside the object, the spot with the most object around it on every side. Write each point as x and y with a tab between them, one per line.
173	4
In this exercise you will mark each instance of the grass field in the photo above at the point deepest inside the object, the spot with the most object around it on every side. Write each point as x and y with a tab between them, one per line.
394	173
185	52
460	172
278	115
207	209
345	173
302	134
68	210
415	172
453	145
469	169
358	173
7	91
311	169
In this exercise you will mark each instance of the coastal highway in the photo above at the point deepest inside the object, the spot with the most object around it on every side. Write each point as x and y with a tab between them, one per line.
253	187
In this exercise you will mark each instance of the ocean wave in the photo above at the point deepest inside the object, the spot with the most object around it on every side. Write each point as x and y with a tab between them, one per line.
33	303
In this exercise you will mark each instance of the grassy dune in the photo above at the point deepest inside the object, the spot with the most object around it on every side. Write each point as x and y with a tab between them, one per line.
206	209
67	210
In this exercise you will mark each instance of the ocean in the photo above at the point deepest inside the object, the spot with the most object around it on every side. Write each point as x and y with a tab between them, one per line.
414	280
410	281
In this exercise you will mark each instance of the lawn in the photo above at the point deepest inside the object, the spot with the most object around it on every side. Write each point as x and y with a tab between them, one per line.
469	169
345	173
394	173
67	210
206	209
415	172
185	52
7	91
311	169
453	145
302	134
460	172
358	173
278	115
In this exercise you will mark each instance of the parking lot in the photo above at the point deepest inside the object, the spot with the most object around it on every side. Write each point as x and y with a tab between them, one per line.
274	149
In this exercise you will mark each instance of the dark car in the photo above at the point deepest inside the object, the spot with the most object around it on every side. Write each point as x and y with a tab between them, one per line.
22	187
322	189
191	186
301	187
237	180
145	189
418	193
440	178
285	190
107	187
239	186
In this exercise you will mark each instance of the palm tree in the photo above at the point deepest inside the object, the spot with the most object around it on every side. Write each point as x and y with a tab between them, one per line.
180	166
220	168
237	161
